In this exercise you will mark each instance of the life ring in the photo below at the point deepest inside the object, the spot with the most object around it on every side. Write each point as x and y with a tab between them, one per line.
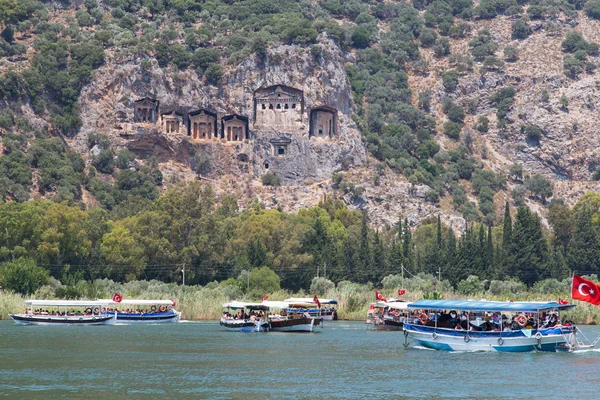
170	308
396	313
434	335
423	318
96	310
88	310
521	319
538	336
458	328
467	338
162	309
153	308
500	341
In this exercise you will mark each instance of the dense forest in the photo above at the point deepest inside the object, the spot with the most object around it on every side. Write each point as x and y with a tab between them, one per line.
77	218
188	228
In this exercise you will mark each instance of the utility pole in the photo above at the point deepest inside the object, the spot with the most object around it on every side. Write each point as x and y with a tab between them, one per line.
183	272
325	280
402	267
248	285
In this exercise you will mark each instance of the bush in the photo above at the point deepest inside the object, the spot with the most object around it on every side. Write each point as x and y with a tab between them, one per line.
532	132
125	159
271	180
482	124
104	161
592	9
511	53
361	37
22	276
471	286
452	129
450	80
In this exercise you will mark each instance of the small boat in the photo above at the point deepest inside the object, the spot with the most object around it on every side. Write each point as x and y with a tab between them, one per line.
241	316
141	311
287	316
62	312
462	325
388	315
327	312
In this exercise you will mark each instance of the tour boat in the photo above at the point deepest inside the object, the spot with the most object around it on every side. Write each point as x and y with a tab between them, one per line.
388	315
241	316
285	316
141	311
327	311
466	325
62	313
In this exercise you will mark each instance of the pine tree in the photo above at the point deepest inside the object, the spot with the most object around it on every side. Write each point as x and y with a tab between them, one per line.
364	255
407	247
506	240
583	253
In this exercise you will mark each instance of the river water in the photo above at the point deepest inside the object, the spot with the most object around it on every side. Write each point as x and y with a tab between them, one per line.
345	361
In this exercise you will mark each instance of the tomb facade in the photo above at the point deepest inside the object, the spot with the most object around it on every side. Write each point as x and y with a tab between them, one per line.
280	146
145	110
172	122
235	128
278	107
323	122
202	125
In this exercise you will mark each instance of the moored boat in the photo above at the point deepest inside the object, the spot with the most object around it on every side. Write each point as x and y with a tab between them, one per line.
287	316
241	316
63	312
486	326
132	311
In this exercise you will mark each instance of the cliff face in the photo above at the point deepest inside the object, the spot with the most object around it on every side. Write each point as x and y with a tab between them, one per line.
292	152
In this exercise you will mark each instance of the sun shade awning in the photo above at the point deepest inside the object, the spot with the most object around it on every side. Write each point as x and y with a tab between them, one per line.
64	303
467	305
297	300
242	304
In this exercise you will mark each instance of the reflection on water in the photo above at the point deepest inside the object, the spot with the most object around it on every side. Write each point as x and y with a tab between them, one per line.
199	360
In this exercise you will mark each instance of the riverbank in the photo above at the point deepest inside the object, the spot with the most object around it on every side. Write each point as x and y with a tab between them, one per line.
205	303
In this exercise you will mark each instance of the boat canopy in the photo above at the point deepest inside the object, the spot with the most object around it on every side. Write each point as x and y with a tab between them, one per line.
276	304
64	303
469	305
242	304
397	305
297	300
138	302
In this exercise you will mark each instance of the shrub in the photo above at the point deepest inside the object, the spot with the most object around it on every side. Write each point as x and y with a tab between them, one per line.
271	180
104	161
22	276
452	129
450	80
511	53
592	9
361	37
125	159
482	124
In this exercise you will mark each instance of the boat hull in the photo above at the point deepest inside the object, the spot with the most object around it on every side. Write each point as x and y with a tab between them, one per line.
157	318
29	319
304	324
388	325
551	339
244	325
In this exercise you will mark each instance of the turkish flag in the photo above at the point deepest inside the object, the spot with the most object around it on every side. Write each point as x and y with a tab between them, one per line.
561	301
372	308
379	297
585	290
117	297
316	300
266	296
401	292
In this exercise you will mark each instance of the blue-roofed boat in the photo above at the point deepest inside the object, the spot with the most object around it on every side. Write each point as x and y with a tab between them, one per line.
463	325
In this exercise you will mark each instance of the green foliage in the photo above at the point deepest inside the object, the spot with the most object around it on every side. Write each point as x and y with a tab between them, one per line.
22	276
271	180
539	187
503	99
520	30
452	129
592	8
482	124
533	132
104	161
450	80
482	45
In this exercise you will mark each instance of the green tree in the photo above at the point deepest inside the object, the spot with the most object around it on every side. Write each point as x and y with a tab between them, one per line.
22	276
584	247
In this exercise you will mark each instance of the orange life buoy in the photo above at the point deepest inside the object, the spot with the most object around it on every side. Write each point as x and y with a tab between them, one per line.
423	318
458	328
162	309
521	319
153	308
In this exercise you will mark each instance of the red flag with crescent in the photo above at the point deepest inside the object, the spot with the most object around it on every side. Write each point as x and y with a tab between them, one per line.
266	296
372	308
316	300
401	292
379	297
561	301
585	290
117	298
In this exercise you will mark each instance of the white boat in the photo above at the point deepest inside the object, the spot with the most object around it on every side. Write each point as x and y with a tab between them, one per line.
327	312
239	316
286	316
62	312
132	311
462	325
388	315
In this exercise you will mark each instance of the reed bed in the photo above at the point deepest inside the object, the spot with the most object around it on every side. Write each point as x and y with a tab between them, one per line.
205	302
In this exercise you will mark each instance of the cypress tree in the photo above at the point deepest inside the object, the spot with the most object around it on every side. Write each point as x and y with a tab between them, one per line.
583	253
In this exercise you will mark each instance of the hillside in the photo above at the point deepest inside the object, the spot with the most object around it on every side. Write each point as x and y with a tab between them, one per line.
409	109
